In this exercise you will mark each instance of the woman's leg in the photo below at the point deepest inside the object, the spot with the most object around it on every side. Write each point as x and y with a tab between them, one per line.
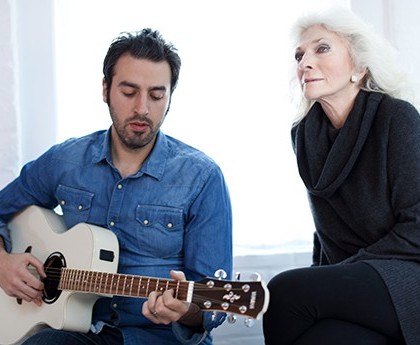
353	293
336	332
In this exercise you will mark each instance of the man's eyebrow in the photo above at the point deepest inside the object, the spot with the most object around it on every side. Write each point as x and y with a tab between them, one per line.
135	86
127	83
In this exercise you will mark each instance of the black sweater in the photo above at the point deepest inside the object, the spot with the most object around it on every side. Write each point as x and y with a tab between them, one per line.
363	183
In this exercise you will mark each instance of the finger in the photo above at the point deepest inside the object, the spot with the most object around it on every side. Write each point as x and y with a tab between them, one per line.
177	275
150	313
153	296
174	304
29	292
39	266
149	307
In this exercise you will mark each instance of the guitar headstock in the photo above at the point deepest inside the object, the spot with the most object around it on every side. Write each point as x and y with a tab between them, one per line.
246	298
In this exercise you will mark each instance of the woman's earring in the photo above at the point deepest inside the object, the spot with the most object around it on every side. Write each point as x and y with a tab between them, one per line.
354	79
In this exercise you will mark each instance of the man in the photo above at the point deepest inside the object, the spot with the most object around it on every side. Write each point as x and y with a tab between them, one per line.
166	202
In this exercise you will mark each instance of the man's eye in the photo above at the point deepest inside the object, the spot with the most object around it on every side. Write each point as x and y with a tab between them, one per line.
157	96
298	56
129	94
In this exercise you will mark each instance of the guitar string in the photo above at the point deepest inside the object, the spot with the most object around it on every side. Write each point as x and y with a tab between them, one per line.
55	274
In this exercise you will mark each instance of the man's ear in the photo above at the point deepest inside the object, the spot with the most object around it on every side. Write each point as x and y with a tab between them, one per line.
104	91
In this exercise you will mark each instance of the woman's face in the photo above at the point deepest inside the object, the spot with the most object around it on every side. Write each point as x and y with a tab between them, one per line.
324	65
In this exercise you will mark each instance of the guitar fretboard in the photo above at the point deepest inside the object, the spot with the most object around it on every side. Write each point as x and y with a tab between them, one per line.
121	284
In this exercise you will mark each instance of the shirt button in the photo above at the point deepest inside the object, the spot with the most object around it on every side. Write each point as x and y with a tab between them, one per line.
115	305
62	202
169	225
80	207
111	223
145	222
119	186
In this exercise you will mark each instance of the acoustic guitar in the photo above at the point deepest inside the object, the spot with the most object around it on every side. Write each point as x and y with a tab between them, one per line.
81	266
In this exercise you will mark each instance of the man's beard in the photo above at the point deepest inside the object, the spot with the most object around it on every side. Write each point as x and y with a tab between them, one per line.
133	140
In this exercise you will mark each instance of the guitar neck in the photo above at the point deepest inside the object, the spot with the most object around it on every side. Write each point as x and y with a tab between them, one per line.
122	284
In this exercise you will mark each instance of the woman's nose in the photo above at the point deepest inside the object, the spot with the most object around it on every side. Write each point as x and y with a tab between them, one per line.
305	62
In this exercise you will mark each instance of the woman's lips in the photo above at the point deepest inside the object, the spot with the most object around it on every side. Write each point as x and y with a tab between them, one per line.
310	80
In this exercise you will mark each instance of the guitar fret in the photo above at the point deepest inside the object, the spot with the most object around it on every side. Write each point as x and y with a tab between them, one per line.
99	285
80	279
147	287
89	281
177	289
83	280
117	284
71	279
139	287
124	285
79	282
76	280
95	283
131	286
106	283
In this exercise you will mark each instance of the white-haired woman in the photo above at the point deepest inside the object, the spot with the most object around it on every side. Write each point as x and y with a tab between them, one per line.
357	143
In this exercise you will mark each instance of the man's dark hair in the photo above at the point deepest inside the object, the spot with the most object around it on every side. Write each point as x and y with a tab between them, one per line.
145	44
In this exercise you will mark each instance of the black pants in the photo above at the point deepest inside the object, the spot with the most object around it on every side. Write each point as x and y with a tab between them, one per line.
330	305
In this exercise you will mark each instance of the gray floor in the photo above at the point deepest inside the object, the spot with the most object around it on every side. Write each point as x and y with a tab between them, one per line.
267	266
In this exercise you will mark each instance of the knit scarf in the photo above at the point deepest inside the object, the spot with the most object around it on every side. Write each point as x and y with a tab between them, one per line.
325	165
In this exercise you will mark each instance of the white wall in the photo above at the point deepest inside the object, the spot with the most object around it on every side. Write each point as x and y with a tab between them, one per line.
36	69
399	22
9	130
27	101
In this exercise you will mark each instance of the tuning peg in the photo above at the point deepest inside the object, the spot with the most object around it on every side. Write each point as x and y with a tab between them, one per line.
220	274
249	322
232	318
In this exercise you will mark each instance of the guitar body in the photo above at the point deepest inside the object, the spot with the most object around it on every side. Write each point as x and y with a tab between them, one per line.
84	246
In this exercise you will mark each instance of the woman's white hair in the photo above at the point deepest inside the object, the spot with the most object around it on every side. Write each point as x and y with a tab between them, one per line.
368	50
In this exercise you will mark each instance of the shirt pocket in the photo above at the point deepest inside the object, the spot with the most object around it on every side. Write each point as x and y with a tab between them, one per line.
75	204
160	230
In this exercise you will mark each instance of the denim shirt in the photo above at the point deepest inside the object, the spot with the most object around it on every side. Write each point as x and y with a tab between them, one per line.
173	214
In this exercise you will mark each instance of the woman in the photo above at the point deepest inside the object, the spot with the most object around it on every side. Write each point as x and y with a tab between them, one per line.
357	143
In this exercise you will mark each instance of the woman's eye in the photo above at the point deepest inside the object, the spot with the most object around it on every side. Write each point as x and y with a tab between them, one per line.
323	49
298	56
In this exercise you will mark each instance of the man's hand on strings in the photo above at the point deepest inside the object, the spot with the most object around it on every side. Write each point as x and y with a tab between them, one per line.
18	276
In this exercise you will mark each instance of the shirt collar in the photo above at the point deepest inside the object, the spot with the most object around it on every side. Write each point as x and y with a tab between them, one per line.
154	165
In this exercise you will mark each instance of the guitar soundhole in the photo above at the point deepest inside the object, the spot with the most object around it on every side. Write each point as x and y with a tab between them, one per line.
53	265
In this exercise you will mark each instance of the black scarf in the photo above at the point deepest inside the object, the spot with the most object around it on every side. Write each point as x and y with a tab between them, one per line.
325	164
